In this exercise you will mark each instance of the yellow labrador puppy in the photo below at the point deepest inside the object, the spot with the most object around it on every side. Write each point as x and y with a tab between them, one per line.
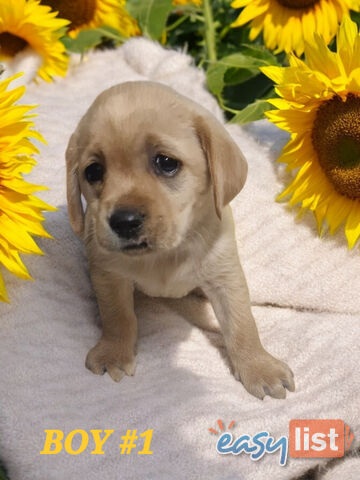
158	172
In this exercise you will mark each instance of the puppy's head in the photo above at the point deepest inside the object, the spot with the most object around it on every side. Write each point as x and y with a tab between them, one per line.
151	165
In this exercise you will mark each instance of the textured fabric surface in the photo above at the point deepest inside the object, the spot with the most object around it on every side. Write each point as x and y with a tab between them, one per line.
348	469
304	291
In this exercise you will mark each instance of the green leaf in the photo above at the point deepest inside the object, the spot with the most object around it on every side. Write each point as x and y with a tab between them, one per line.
254	111
235	76
215	78
90	38
240	60
84	41
227	70
151	15
259	52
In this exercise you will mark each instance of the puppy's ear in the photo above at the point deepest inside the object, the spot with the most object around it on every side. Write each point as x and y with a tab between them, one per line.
227	164
75	209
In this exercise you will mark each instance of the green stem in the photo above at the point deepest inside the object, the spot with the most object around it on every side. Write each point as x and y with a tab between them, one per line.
114	36
178	22
201	63
209	31
200	18
224	107
224	31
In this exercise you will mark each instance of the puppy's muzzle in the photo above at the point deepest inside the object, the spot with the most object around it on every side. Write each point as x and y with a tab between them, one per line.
127	223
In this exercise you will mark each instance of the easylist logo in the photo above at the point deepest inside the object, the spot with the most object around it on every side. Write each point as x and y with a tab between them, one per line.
307	438
319	438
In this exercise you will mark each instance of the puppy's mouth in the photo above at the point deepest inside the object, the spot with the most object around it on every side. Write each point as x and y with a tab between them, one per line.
135	247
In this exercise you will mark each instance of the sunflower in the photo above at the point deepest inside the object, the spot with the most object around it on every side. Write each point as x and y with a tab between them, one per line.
320	107
20	210
288	24
28	24
85	14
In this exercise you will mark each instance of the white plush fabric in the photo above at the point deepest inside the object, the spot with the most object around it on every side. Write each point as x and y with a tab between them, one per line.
305	292
348	469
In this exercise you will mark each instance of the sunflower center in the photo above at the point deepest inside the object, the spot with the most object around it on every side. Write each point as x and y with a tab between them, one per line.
297	3
78	12
336	139
11	44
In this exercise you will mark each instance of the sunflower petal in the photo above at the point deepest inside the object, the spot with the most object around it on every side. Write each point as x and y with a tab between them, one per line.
12	262
3	294
345	42
352	227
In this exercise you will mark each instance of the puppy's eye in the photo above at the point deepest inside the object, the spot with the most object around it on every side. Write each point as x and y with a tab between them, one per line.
94	172
165	165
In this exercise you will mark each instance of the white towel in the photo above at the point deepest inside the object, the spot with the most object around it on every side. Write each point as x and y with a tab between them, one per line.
305	292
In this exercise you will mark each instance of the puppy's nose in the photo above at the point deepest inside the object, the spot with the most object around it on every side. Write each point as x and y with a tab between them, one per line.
126	223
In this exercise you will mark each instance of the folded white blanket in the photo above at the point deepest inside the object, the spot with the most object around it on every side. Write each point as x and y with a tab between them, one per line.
305	292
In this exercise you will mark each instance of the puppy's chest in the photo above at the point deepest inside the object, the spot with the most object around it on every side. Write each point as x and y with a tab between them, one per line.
162	282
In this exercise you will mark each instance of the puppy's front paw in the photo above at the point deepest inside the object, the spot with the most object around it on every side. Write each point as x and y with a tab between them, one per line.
111	356
265	375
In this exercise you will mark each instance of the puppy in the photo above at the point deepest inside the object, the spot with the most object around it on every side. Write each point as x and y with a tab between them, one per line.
158	172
